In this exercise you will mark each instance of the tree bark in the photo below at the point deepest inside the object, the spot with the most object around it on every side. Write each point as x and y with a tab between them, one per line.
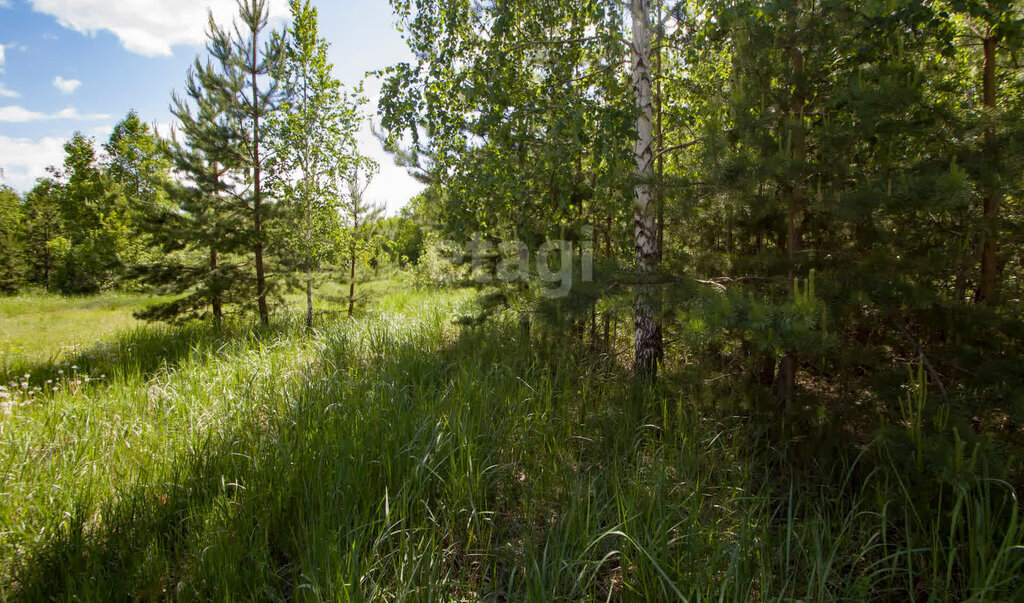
257	202
309	304
660	104
352	272
307	193
988	290
648	339
352	285
796	188
215	298
786	378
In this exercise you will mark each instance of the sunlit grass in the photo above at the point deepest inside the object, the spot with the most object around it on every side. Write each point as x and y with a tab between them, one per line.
37	328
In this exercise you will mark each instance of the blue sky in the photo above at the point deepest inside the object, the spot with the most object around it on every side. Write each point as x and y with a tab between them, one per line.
68	65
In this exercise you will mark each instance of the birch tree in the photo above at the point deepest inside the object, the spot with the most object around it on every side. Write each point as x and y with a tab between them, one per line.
648	339
313	136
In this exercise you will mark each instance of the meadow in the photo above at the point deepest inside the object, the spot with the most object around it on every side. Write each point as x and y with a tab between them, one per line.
398	456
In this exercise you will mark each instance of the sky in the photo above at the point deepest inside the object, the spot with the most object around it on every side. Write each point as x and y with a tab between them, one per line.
81	65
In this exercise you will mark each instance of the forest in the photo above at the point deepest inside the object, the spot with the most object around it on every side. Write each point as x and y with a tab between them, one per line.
702	299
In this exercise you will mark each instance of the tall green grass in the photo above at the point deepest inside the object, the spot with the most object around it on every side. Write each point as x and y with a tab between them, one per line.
400	458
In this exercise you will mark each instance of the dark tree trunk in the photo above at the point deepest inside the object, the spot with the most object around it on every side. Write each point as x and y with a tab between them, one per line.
309	304
786	379
215	299
988	290
352	285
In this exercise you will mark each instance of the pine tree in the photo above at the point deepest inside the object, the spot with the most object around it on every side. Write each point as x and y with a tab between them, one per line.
203	232
248	58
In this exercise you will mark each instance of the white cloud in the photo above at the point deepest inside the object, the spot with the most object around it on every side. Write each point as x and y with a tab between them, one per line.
3	57
66	86
146	27
102	131
19	115
6	92
23	160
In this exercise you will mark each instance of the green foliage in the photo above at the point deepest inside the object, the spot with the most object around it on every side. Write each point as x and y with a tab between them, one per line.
43	227
11	252
405	239
852	142
94	218
137	162
314	148
360	241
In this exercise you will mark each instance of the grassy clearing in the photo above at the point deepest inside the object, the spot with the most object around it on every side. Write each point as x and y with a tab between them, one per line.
397	457
44	328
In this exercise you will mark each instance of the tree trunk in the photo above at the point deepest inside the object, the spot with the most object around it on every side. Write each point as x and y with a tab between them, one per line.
607	256
648	343
989	289
215	299
796	189
309	304
660	104
352	272
786	379
307	173
257	203
352	285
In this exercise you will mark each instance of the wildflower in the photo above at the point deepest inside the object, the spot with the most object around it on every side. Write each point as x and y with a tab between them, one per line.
60	372
24	385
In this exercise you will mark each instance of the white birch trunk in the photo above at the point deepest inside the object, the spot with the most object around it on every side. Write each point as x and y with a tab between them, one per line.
648	344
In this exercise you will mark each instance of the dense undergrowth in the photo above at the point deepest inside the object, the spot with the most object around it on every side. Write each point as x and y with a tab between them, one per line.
404	458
